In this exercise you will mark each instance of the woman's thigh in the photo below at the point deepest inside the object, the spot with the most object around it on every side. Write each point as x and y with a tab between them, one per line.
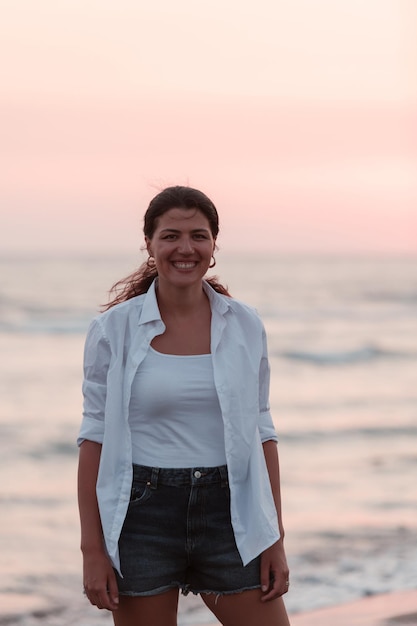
247	609
157	610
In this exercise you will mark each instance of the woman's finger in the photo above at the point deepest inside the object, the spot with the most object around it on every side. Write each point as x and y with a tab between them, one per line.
279	586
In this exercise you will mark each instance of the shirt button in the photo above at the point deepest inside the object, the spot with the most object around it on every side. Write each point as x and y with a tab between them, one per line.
197	474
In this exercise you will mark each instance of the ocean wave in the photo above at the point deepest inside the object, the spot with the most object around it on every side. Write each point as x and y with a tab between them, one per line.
54	448
345	357
405	297
345	434
45	327
32	316
44	321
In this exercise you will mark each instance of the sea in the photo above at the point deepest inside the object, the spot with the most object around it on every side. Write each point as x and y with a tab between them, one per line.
342	338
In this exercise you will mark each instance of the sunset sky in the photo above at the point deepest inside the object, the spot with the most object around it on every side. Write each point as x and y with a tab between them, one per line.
297	117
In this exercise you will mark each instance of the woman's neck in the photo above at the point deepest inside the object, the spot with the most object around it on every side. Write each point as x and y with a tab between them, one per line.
187	319
180	301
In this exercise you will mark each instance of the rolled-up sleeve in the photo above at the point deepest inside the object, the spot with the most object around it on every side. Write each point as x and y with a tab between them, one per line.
97	355
266	425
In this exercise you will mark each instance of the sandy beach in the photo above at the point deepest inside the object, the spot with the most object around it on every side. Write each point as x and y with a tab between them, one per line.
394	609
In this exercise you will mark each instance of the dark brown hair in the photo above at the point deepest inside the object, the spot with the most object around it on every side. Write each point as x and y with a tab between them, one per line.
172	197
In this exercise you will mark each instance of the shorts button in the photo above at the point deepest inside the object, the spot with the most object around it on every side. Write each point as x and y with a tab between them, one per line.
197	474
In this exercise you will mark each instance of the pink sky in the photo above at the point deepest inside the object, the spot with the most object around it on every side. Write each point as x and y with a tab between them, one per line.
298	118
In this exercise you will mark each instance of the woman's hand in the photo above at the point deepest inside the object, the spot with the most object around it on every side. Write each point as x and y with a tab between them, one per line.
274	572
100	585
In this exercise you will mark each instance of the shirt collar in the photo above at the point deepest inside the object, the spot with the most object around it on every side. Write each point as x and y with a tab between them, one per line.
217	301
150	310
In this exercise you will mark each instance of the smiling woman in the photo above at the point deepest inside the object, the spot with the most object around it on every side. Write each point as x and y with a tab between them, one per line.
179	485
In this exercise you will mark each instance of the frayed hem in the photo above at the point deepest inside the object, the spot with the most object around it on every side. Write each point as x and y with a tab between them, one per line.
185	590
151	592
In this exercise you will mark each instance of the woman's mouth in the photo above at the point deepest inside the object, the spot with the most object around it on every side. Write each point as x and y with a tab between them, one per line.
184	265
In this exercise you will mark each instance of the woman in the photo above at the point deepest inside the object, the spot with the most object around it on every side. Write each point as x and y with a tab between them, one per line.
178	470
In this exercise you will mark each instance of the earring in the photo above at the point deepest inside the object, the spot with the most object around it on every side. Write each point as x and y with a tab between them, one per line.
213	263
150	262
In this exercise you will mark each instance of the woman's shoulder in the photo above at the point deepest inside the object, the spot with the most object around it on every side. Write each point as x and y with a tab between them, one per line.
229	302
245	312
242	307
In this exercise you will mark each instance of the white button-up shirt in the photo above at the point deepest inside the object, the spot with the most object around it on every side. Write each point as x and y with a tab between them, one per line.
116	344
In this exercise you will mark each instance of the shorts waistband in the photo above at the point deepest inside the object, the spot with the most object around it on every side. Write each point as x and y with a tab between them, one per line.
180	476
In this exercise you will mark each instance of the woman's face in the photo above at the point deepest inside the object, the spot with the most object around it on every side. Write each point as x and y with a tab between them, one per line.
182	246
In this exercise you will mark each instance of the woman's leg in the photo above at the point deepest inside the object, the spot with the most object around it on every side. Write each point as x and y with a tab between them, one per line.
246	609
158	610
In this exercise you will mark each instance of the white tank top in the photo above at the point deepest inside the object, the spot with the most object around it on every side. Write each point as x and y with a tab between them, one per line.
174	412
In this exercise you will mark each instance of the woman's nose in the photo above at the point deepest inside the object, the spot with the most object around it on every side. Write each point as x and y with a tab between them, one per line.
186	246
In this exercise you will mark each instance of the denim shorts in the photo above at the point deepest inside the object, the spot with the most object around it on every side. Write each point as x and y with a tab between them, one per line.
178	534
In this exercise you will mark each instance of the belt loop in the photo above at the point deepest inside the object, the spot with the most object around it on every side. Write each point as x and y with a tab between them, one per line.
223	475
154	477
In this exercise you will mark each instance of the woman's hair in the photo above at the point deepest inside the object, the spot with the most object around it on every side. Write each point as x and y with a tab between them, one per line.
177	197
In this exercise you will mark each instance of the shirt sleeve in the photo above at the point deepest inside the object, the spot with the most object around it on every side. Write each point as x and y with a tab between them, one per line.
96	364
266	424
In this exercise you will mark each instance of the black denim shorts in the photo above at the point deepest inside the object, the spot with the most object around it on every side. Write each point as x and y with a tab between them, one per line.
178	534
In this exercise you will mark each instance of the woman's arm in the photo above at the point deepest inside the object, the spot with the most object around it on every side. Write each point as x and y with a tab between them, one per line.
272	464
274	568
99	579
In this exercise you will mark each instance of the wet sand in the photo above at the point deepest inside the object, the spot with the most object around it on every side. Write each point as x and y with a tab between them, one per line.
395	609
